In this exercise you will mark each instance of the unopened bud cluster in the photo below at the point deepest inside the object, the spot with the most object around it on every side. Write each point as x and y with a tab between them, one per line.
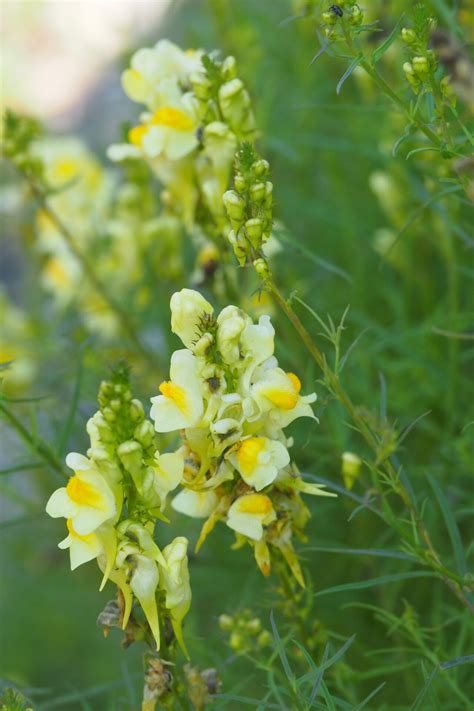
245	632
419	70
249	205
339	16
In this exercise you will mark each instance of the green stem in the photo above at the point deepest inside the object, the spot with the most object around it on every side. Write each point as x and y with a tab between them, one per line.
46	454
333	384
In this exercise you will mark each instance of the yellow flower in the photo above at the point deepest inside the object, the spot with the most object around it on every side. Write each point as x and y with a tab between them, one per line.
249	513
150	67
83	548
180	403
87	499
175	581
188	307
197	504
258	460
168	472
279	393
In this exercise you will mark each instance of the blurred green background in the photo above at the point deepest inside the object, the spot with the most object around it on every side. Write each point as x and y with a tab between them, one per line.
331	165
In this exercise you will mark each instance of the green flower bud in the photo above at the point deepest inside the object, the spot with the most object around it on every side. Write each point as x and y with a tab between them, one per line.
356	15
229	68
264	639
131	455
201	86
421	67
226	623
254	229
261	167
261	267
254	626
239	245
258	192
240	183
137	412
202	346
409	36
329	18
237	642
144	433
235	206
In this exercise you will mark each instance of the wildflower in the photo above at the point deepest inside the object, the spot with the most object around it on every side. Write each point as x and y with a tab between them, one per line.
249	513
258	460
188	309
180	403
87	500
351	465
231	402
175	582
150	67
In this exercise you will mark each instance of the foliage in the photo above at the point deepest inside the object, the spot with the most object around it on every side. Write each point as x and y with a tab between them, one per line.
361	115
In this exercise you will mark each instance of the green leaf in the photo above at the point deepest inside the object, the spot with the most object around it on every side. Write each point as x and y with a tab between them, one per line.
281	649
374	582
451	525
364	703
355	63
417	703
380	51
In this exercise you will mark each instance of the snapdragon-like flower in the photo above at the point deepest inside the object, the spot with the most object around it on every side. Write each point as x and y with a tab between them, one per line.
112	502
231	401
197	110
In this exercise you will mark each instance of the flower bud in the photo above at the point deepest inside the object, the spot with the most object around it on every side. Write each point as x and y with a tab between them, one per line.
137	412
229	68
330	18
351	465
409	36
237	641
261	267
130	454
254	229
239	246
202	346
421	67
261	167
235	206
226	623
144	433
240	183
188	307
254	626
258	192
264	639
355	15
201	85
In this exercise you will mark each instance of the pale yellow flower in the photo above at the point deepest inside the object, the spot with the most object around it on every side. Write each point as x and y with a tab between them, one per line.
87	499
258	460
180	403
249	513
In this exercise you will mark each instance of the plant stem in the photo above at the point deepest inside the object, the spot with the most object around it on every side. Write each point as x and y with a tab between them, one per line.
334	386
46	454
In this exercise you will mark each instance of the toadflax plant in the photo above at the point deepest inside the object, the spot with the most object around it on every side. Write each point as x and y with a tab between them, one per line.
215	445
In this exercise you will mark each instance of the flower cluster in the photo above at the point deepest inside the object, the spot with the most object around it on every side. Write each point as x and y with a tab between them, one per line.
116	225
112	502
231	402
197	110
249	205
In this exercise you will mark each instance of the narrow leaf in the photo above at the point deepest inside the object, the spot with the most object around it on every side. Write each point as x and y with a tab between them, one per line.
451	525
355	63
374	582
380	51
